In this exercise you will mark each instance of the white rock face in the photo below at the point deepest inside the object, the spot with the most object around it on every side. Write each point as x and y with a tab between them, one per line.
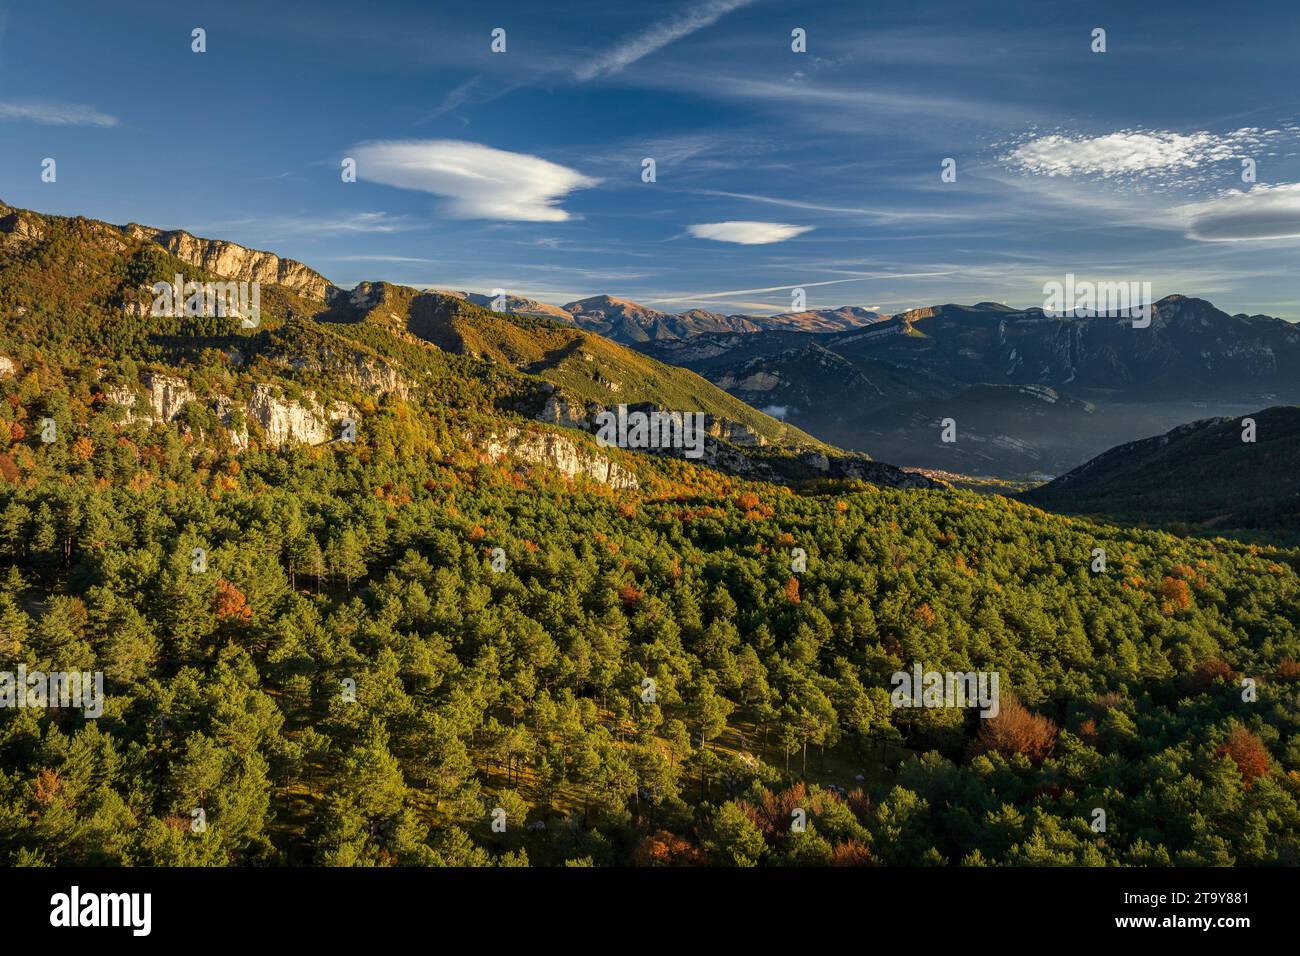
282	420
378	379
817	461
167	396
122	395
18	227
734	432
560	411
755	382
235	261
558	452
7	367
224	407
286	421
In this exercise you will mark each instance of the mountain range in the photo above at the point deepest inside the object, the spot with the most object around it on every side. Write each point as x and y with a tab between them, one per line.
1030	395
983	390
319	353
630	322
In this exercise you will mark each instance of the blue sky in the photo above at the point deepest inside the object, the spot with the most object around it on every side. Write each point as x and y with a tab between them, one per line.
821	170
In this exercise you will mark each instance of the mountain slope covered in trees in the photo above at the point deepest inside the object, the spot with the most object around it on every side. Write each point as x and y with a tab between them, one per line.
1203	473
394	640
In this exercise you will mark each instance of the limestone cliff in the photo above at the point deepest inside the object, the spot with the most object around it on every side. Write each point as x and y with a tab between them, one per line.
285	421
233	261
554	451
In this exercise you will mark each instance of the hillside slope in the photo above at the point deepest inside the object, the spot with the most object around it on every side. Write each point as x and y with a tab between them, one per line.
1202	472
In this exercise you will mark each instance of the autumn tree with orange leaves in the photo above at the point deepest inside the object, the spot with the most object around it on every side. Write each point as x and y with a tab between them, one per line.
1248	753
229	603
1016	730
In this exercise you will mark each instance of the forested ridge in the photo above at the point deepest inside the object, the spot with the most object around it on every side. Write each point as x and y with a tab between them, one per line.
511	686
521	689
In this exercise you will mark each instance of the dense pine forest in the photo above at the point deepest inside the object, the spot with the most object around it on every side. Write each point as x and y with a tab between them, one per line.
401	650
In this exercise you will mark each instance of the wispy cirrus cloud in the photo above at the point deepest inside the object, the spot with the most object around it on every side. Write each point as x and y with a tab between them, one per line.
864	277
747	233
657	37
455	98
1263	212
50	113
477	181
268	229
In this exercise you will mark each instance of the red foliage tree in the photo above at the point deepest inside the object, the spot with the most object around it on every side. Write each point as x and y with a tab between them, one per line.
1209	673
666	849
229	603
1175	594
851	853
1248	753
1016	730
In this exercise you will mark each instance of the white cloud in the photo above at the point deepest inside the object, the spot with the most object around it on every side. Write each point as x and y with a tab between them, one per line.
1264	212
747	233
478	181
56	114
657	37
1131	152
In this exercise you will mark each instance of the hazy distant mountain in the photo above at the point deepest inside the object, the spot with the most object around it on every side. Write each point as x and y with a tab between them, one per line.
513	304
821	320
626	321
1202	472
630	322
1052	392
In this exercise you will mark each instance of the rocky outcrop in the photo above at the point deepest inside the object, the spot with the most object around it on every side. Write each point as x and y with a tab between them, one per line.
733	432
167	396
555	451
19	227
364	296
7	366
236	262
513	304
561	410
233	419
754	382
370	374
811	464
285	421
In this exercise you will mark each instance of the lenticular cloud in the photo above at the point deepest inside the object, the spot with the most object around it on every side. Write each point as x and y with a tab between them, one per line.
477	181
1264	212
747	233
